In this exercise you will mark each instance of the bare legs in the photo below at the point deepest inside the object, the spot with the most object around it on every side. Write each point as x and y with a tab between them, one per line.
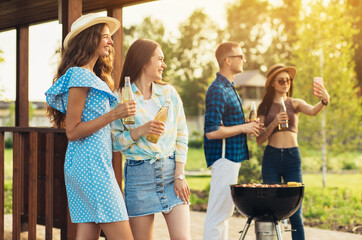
113	231
178	224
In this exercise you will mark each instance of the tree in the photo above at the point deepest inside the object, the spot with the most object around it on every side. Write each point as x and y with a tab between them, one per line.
246	24
328	52
150	29
194	64
266	32
355	9
283	21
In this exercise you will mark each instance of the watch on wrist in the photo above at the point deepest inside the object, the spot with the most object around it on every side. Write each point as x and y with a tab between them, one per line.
325	104
180	177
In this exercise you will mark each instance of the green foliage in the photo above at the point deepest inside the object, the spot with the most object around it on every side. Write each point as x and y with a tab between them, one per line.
267	37
355	9
9	143
196	140
195	65
250	170
337	207
8	196
328	52
336	161
152	29
332	206
245	24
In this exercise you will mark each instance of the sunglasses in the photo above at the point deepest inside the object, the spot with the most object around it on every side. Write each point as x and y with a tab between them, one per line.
237	56
282	81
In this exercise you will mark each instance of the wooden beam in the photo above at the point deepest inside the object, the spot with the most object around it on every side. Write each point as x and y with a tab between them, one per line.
117	45
22	77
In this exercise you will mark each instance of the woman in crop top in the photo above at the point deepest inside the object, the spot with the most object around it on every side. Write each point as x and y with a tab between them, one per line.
281	160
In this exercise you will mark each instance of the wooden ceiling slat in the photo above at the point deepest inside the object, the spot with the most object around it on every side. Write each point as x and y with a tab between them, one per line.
26	12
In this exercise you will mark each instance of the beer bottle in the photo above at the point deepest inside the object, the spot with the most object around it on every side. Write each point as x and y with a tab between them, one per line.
127	95
162	117
252	114
285	125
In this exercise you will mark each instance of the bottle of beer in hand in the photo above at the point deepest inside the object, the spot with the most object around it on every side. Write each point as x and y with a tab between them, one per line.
127	95
285	125
162	117
252	114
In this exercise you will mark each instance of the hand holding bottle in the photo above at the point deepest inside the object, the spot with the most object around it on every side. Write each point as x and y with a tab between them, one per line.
124	110
253	128
153	127
283	109
281	117
161	117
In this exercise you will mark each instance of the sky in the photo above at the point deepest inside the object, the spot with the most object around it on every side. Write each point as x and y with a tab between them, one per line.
45	38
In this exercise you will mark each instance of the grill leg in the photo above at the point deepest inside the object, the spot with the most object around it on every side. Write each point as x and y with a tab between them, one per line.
277	229
245	230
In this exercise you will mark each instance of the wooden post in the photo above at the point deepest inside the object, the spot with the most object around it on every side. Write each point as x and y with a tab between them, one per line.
33	185
49	181
2	173
17	146
117	45
70	11
117	69
22	77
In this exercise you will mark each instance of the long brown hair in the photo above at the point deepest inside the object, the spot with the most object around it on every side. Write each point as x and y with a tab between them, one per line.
138	55
268	97
78	53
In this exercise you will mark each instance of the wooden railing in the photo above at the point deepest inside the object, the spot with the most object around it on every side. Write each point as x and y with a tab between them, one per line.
39	195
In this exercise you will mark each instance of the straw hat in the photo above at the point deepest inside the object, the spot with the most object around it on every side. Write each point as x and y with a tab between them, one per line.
89	20
277	68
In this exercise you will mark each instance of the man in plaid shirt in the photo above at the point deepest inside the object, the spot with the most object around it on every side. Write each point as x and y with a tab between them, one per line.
225	143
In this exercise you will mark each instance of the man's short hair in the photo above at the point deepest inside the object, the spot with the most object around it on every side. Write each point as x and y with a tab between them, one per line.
223	50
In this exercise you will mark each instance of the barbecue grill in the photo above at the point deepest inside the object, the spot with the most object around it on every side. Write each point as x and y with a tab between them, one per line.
266	204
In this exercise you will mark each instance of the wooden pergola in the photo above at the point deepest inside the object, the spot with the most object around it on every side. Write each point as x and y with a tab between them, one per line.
38	153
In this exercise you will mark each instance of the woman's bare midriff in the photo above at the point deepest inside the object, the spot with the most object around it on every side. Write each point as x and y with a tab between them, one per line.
283	139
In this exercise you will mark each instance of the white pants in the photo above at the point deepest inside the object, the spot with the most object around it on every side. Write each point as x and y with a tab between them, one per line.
220	205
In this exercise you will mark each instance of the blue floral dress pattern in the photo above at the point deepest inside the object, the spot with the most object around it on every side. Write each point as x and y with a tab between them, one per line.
92	189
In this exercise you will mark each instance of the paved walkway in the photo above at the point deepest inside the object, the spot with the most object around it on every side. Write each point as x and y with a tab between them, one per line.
197	221
236	224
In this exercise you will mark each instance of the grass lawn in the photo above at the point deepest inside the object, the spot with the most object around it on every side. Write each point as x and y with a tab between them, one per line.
8	164
195	159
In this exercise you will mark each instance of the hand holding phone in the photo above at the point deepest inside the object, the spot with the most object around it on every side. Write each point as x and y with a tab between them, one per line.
318	80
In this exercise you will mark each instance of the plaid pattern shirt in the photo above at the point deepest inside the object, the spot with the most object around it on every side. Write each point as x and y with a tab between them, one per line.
224	107
174	139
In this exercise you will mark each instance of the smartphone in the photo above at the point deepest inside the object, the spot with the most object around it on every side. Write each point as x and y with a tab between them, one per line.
318	80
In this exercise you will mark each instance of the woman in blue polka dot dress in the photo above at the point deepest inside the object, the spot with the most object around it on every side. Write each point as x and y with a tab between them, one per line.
79	100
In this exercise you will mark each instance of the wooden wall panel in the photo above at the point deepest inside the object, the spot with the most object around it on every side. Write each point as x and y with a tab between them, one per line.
117	45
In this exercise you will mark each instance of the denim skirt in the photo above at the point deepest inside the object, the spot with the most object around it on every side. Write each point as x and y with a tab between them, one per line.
149	186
